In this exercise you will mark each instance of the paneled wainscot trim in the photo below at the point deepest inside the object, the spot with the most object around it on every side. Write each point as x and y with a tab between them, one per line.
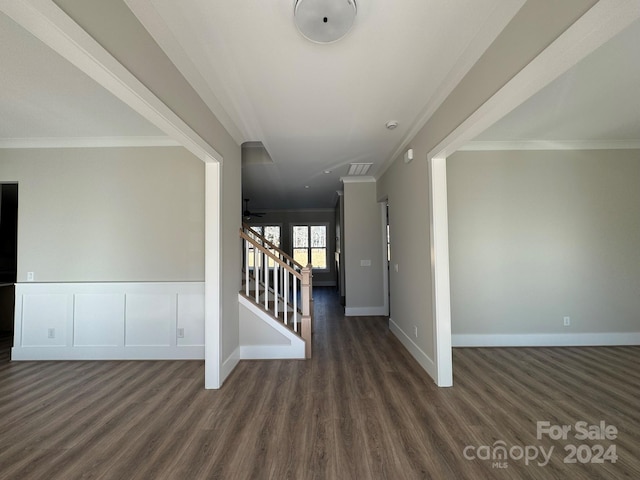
109	321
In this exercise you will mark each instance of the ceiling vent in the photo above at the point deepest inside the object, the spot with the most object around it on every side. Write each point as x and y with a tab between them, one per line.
359	169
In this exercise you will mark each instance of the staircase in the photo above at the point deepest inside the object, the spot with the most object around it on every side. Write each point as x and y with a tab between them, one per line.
278	285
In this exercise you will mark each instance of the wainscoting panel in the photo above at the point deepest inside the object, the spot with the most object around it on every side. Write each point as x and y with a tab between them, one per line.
150	320
98	320
54	310
190	315
110	321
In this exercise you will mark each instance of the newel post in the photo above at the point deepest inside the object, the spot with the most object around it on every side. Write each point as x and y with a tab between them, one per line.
306	308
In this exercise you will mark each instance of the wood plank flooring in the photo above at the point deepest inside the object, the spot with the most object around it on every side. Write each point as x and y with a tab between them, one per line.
360	409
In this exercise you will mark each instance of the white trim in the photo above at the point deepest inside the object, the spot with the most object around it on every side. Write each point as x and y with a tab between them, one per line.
87	142
416	352
440	289
161	33
213	276
107	353
385	259
270	352
102	321
498	20
230	363
365	179
366	311
47	22
546	339
491	145
604	20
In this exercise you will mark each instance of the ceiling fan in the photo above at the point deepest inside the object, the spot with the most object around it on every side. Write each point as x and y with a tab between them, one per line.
247	214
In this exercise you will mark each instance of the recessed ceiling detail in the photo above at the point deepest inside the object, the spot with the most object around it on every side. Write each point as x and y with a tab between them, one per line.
324	21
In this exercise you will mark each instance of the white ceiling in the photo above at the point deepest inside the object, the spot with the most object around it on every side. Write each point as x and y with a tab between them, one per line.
46	100
595	103
318	107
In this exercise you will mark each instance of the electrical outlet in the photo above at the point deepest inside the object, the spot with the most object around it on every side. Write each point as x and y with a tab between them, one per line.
567	321
415	331
181	333
51	333
30	276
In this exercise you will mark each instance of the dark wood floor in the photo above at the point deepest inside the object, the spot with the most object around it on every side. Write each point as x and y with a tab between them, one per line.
360	409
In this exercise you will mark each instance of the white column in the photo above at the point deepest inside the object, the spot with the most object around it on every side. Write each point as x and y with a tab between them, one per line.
212	276
440	271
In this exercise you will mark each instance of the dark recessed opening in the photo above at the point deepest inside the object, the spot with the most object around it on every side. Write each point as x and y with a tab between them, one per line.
325	19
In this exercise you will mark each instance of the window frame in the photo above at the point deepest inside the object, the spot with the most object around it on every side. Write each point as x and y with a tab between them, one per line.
326	225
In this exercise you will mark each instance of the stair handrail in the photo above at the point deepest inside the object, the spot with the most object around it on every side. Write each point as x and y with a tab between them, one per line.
302	274
247	227
268	252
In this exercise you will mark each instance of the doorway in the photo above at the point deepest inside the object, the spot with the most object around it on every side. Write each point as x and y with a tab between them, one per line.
8	254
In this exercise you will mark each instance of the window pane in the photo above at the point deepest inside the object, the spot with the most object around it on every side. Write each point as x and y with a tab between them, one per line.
319	236
258	230
300	256
319	258
300	236
272	233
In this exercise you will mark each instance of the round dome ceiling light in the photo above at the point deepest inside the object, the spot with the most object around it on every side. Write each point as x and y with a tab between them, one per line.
391	124
324	21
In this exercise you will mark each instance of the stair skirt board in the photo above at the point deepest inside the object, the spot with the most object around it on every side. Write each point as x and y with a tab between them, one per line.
262	337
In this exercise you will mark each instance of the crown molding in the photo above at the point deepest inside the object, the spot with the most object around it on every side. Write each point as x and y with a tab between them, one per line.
598	25
148	15
47	22
87	142
499	18
363	179
479	146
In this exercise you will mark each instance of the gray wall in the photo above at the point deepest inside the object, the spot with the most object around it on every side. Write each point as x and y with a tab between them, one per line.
539	235
117	29
362	241
108	214
406	188
287	218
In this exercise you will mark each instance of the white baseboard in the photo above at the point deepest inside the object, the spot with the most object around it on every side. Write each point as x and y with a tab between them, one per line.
271	352
416	352
106	353
229	364
546	340
109	321
365	311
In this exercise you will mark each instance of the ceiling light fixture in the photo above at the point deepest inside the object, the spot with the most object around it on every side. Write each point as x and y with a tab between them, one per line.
391	124
324	21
